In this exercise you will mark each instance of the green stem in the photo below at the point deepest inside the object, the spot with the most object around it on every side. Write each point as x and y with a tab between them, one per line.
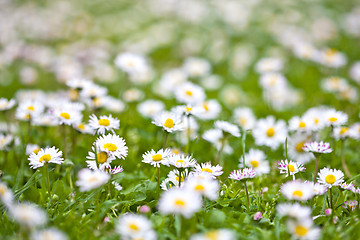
316	166
48	180
166	134
188	135
158	178
247	196
218	156
65	143
331	202
343	162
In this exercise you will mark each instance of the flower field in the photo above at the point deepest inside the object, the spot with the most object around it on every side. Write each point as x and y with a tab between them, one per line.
179	119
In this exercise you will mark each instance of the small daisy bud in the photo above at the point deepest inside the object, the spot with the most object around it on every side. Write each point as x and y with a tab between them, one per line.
258	216
106	219
144	209
328	211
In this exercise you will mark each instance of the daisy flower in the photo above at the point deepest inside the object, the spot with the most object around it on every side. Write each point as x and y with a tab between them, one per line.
347	186
330	177
150	108
273	80
227	127
173	178
157	158
32	148
5	141
131	63
132	225
352	205
242	174
354	131
269	65
316	117
103	158
270	133
48	234
68	116
181	161
317	147
303	229
103	124
341	133
256	160
189	93
296	142
319	189
210	109
197	67
335	118
203	185
28	110
290	167
28	215
43	156
6	104
207	168
297	190
83	128
89	180
218	234
332	58
6	195
244	117
300	124
179	201
112	144
215	136
170	122
295	210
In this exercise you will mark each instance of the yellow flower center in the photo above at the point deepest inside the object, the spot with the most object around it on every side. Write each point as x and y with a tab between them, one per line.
93	179
133	227
316	120
169	123
298	193
73	94
65	115
212	235
199	187
302	125
344	130
102	157
104	122
206	170
176	151
45	157
242	121
81	126
157	157
270	132
333	119
188	109
181	161
330	179
110	147
291	168
2	190
205	106
189	93
182	179
299	147
36	150
180	203
254	163
30	108
301	231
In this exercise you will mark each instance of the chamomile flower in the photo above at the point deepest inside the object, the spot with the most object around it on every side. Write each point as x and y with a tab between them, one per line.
48	234
32	148
150	108
6	195
341	132
88	179
44	156
189	93
295	210
203	184
132	225
296	142
330	177
297	190
227	128
179	201
103	123
170	122
269	132
207	168
303	229
256	160
112	144
218	234
181	161
244	117
68	116
157	158
6	104
317	147
290	167
28	215
335	118
242	174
